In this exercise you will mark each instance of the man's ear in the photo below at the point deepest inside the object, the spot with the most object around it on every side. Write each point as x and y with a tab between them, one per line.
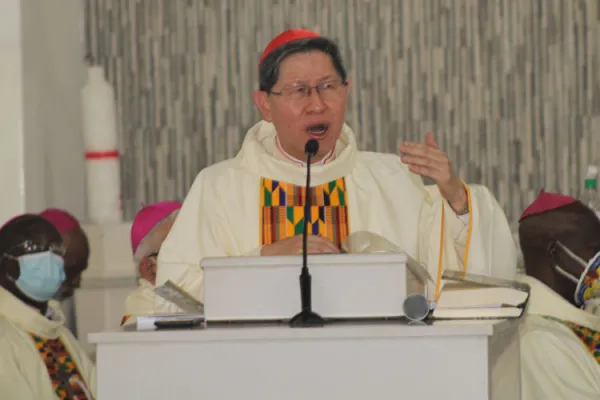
9	273
147	270
261	99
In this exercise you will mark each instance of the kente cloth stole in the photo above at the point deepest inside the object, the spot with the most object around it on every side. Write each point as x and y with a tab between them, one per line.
62	370
282	211
590	338
125	318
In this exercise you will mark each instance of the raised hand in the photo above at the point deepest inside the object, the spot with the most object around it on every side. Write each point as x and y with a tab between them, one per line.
427	159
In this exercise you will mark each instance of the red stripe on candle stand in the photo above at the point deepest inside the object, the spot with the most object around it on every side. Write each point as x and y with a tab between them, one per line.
99	155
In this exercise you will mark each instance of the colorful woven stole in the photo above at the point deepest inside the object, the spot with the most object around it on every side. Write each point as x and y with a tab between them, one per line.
62	370
282	211
590	338
125	318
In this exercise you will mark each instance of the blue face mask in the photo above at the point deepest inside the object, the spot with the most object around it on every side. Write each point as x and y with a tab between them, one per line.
41	275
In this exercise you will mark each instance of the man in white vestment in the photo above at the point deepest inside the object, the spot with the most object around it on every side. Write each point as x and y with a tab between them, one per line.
77	246
39	357
560	336
253	204
76	259
150	227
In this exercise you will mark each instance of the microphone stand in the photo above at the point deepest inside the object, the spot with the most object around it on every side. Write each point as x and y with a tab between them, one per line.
307	318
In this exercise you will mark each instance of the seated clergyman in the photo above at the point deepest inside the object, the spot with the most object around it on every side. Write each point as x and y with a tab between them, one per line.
39	357
560	336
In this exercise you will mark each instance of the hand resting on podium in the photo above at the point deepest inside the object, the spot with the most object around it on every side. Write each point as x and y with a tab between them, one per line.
293	245
368	242
357	242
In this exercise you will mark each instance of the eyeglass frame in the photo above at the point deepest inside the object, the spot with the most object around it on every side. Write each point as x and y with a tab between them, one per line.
152	256
317	88
30	247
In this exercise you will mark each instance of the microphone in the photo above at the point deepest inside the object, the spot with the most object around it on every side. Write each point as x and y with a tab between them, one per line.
307	318
416	307
311	148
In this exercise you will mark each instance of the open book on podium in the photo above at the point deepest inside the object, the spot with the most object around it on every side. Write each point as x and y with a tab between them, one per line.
372	279
472	296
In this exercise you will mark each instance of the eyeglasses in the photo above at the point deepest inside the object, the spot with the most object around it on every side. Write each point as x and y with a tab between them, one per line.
29	247
328	91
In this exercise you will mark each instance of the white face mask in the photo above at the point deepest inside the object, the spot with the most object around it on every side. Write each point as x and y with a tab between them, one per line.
40	274
587	292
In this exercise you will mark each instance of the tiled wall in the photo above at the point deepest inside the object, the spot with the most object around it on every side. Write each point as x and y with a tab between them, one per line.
511	88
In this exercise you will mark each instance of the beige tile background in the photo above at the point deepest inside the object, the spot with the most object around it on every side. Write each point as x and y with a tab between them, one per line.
510	88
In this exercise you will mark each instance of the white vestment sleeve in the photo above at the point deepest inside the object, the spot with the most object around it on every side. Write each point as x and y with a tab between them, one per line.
13	384
139	302
491	249
194	235
557	366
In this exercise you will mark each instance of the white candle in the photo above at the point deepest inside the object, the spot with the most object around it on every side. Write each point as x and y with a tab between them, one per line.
102	156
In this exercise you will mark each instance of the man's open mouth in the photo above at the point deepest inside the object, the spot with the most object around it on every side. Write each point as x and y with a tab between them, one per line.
317	129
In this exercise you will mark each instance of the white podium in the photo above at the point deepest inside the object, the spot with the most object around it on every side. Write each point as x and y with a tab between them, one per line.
343	286
449	360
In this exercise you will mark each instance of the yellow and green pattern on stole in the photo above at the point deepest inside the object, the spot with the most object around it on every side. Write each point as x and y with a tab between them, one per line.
589	337
62	370
282	211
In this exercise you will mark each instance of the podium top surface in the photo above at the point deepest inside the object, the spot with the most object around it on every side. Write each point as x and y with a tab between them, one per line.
314	260
338	330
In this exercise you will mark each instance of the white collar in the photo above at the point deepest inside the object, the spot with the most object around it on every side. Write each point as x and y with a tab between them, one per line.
29	318
322	161
259	155
546	302
144	283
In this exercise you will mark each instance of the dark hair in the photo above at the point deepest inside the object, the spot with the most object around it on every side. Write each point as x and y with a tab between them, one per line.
574	225
268	72
27	227
77	246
